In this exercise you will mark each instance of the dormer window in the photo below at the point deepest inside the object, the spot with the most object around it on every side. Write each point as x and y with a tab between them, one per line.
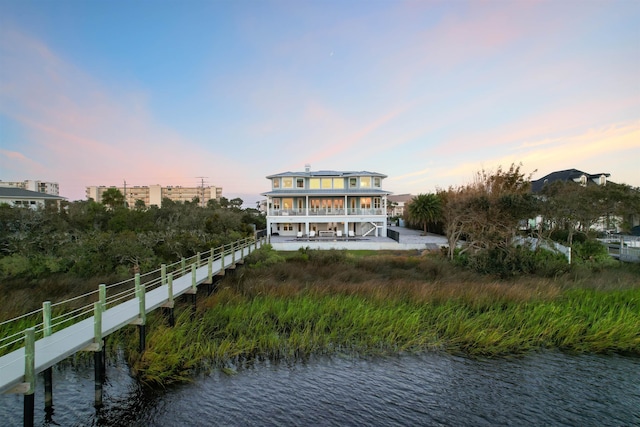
603	180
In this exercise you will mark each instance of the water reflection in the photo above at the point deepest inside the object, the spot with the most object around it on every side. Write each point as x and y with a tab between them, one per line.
432	389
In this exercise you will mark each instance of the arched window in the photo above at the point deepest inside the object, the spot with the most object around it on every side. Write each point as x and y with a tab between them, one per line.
603	179
583	180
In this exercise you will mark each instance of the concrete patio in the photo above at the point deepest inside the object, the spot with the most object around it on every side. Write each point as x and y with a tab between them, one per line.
409	240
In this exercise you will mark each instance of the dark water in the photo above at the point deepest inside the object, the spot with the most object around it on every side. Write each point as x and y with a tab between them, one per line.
546	389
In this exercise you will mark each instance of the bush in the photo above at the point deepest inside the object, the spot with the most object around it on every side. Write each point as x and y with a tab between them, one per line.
514	261
593	254
263	257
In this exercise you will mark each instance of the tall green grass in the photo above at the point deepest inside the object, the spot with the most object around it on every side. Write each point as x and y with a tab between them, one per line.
387	305
287	307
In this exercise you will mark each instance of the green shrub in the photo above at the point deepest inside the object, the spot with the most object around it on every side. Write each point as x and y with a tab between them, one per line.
13	266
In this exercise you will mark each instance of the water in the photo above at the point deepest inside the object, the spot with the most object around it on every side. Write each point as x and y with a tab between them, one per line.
547	388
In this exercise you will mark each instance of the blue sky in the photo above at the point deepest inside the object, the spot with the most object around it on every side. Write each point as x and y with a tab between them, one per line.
427	92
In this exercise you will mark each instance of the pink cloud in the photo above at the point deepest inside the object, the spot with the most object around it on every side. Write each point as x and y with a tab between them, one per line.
83	134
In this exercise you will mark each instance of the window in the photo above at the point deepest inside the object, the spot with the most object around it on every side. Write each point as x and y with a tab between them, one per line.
365	202
583	180
287	182
338	183
376	202
353	182
287	204
603	180
299	182
276	182
376	182
314	183
276	204
365	182
326	183
287	227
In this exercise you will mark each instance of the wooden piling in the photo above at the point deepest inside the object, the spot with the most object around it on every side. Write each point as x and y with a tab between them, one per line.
29	375
48	373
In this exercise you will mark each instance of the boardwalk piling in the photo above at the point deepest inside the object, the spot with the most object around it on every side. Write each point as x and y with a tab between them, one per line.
98	360
142	316
48	373
29	374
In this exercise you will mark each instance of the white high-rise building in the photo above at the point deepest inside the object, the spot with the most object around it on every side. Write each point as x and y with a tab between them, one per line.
51	188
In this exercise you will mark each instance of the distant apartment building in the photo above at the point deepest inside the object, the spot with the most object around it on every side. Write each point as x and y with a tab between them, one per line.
50	188
152	195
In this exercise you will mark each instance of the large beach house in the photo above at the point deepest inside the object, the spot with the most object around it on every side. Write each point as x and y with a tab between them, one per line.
327	204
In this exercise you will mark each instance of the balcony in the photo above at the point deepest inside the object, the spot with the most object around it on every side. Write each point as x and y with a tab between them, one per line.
327	212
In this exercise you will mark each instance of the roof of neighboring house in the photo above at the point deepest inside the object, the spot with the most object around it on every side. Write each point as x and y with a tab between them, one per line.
401	198
327	173
565	175
19	193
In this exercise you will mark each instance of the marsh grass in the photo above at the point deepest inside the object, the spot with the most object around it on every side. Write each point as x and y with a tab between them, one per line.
291	306
313	304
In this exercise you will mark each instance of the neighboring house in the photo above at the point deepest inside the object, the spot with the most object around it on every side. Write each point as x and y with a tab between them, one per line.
153	194
397	204
327	203
31	185
18	197
574	175
605	223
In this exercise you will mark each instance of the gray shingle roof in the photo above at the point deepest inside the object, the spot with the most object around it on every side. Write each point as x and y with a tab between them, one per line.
327	173
19	193
565	175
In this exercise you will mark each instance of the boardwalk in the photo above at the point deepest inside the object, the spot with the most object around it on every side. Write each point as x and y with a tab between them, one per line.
110	313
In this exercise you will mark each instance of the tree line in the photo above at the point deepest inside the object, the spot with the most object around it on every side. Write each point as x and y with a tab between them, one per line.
483	218
86	238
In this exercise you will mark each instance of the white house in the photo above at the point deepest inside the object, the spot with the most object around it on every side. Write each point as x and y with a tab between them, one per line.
327	203
24	198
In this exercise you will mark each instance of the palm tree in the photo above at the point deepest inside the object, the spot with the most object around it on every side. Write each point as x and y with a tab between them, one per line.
425	208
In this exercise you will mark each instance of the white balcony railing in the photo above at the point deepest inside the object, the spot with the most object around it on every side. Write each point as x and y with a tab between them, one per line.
318	212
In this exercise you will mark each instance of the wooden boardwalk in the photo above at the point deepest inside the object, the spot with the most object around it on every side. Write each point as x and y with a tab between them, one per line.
17	370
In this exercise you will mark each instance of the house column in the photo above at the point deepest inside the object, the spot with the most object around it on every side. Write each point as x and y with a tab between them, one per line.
306	219
384	210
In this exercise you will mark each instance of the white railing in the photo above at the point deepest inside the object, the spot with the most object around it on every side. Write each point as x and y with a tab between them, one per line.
325	211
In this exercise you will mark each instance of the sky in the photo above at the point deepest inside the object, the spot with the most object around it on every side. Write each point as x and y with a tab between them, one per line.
227	92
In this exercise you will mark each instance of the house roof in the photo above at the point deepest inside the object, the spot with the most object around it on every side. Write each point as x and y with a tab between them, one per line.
327	174
401	198
326	192
19	193
564	175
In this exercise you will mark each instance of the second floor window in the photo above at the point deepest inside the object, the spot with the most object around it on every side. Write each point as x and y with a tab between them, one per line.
299	182
353	182
287	182
276	183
